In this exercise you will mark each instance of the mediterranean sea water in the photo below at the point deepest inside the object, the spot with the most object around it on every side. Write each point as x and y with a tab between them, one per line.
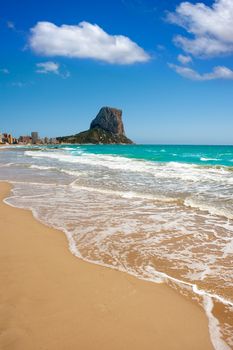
162	213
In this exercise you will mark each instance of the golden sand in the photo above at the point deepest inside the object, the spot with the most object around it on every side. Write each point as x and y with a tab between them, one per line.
51	300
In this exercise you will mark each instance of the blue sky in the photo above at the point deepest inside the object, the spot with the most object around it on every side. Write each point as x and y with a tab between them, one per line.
167	64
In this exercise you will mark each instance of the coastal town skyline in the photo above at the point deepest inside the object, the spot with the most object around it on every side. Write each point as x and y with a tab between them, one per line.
167	67
32	139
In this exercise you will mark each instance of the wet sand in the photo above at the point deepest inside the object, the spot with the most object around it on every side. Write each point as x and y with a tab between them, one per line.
50	299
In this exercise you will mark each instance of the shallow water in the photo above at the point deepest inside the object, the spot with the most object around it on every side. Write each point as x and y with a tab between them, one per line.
161	213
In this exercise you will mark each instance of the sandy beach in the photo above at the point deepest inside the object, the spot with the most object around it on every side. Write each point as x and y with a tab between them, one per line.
50	299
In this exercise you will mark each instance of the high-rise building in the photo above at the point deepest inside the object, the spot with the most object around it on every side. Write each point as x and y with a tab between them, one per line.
35	137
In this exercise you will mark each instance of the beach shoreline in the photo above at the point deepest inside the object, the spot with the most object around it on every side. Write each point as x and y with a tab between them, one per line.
50	299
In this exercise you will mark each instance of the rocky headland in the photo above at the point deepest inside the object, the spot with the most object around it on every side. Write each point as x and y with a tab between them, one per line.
106	128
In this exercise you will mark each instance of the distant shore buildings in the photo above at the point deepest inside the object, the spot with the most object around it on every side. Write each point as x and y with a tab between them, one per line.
34	139
7	139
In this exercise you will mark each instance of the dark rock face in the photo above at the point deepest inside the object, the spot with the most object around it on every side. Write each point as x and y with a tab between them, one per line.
106	128
109	119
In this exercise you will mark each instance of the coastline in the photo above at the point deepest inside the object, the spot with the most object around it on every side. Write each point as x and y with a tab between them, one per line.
50	299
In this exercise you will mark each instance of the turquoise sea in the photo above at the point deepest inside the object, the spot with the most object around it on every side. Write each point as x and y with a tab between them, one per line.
163	213
203	155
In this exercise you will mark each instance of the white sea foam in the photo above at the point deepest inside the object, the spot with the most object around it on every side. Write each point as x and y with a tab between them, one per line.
67	148
125	194
204	159
214	326
228	249
6	146
154	274
168	172
41	167
187	172
6	164
157	277
72	172
212	209
39	184
125	205
163	276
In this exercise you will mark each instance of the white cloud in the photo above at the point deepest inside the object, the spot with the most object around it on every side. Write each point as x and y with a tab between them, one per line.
211	27
203	46
184	59
219	72
4	71
51	67
48	67
84	40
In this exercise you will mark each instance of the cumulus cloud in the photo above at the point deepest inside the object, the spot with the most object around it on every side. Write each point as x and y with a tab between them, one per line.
210	26
51	67
184	59
219	72
84	40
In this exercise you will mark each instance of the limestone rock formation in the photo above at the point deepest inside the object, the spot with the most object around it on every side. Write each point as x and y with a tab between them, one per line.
106	128
109	119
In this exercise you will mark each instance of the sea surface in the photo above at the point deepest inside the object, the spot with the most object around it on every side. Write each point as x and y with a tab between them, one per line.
161	213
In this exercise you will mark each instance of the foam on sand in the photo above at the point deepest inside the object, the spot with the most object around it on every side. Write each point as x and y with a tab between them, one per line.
56	289
161	221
